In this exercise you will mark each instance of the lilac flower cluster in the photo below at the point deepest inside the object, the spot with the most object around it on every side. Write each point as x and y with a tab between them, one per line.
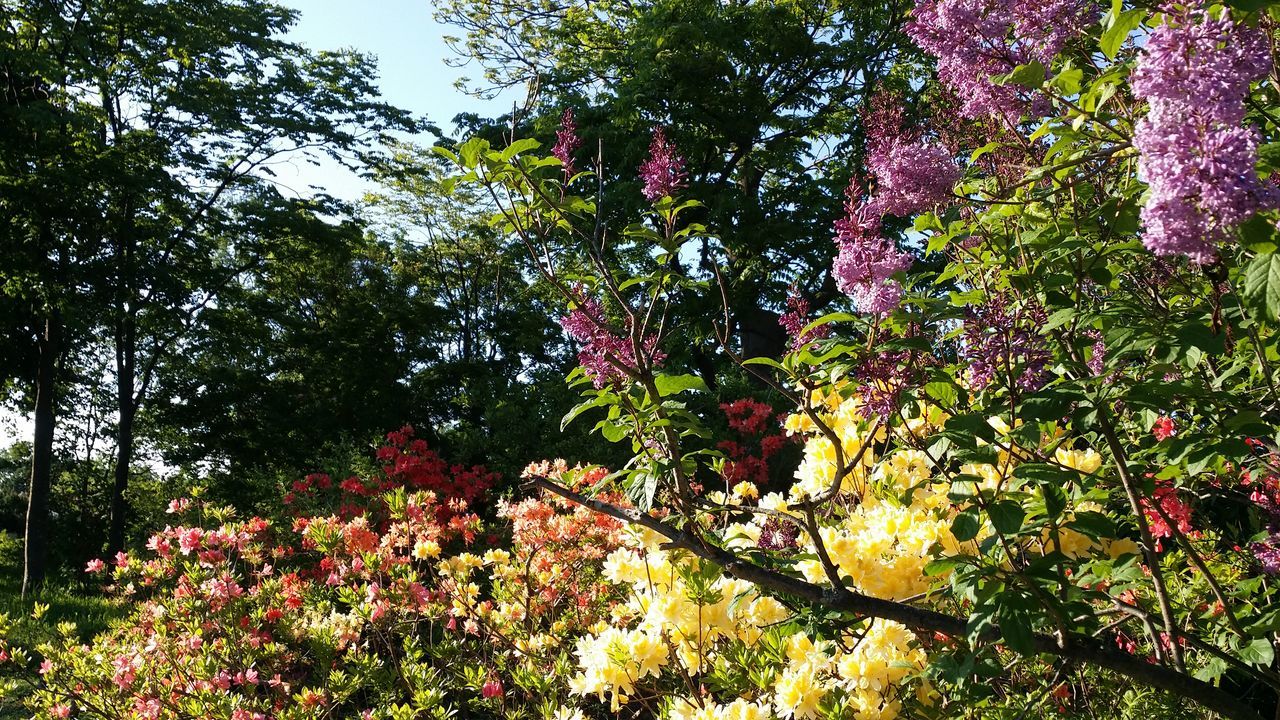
1265	492
778	535
974	40
912	173
1195	72
794	320
883	376
663	173
604	356
1002	343
1097	354
567	143
866	261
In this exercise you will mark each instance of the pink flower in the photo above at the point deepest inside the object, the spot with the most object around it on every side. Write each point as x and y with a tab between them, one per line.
567	142
663	173
95	566
1164	428
60	711
491	689
189	540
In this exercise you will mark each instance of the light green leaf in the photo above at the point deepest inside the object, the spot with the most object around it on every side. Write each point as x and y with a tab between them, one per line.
1262	286
672	384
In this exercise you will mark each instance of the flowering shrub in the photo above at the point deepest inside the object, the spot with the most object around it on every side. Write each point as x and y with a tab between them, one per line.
1018	445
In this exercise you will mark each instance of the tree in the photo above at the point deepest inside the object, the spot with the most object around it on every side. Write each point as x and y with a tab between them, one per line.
171	114
760	98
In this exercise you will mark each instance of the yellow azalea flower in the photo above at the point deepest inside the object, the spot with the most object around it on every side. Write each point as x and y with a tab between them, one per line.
1086	461
424	549
797	694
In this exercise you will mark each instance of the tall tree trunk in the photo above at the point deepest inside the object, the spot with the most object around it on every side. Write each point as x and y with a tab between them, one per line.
128	408
36	539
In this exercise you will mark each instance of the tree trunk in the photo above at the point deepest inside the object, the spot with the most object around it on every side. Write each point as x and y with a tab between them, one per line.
128	408
124	459
37	530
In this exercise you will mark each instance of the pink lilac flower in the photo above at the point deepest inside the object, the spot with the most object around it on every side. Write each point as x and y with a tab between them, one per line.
567	142
866	261
602	351
913	173
1195	72
663	173
1001	343
974	40
794	320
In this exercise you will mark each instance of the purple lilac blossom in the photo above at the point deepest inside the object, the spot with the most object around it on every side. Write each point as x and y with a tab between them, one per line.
1195	72
1097	354
602	351
794	320
663	173
567	143
866	261
778	535
913	173
1002	344
883	376
974	40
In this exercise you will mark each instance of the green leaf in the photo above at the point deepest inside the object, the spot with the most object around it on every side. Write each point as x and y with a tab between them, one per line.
1259	235
1055	499
982	151
672	384
1006	516
519	146
944	393
1015	628
578	409
1030	75
1069	81
1259	652
763	360
828	318
1118	30
1261	291
965	526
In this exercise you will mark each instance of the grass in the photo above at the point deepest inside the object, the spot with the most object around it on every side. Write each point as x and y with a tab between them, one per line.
63	600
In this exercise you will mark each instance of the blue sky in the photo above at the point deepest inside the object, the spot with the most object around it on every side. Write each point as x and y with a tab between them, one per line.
411	52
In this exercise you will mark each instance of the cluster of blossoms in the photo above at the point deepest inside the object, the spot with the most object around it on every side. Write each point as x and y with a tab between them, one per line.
1167	512
912	172
866	260
605	356
663	172
1264	491
567	143
977	40
796	318
755	426
1003	344
1195	72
